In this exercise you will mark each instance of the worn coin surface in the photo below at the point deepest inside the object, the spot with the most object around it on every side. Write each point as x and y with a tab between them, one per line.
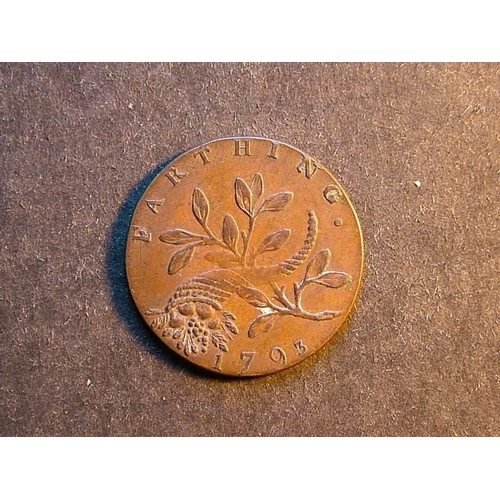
244	256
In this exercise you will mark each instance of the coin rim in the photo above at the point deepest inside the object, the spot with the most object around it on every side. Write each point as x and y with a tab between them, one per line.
354	301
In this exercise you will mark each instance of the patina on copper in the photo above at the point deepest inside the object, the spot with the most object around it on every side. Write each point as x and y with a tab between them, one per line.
244	256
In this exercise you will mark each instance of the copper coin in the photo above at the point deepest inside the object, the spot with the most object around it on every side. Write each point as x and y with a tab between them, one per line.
244	256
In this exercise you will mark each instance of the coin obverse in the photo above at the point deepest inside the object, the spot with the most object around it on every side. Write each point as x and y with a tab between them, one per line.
244	256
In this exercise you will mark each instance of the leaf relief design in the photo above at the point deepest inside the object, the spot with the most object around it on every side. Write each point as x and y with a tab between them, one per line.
276	202
253	296
262	324
333	279
237	247
178	237
200	206
194	316
230	232
274	241
243	196
180	259
282	305
257	185
318	264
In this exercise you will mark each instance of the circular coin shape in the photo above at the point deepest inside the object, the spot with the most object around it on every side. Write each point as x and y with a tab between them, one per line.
244	256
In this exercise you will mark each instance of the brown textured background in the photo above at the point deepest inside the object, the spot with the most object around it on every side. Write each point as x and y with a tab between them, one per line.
420	355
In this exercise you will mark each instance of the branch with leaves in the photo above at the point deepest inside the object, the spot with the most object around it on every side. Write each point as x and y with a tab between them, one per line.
246	199
201	209
281	305
235	243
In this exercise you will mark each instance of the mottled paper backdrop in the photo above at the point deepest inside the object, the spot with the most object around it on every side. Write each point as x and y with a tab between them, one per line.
417	148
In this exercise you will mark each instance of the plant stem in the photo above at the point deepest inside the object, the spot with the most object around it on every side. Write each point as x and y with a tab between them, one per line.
280	296
300	313
213	240
246	242
298	288
296	309
204	225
